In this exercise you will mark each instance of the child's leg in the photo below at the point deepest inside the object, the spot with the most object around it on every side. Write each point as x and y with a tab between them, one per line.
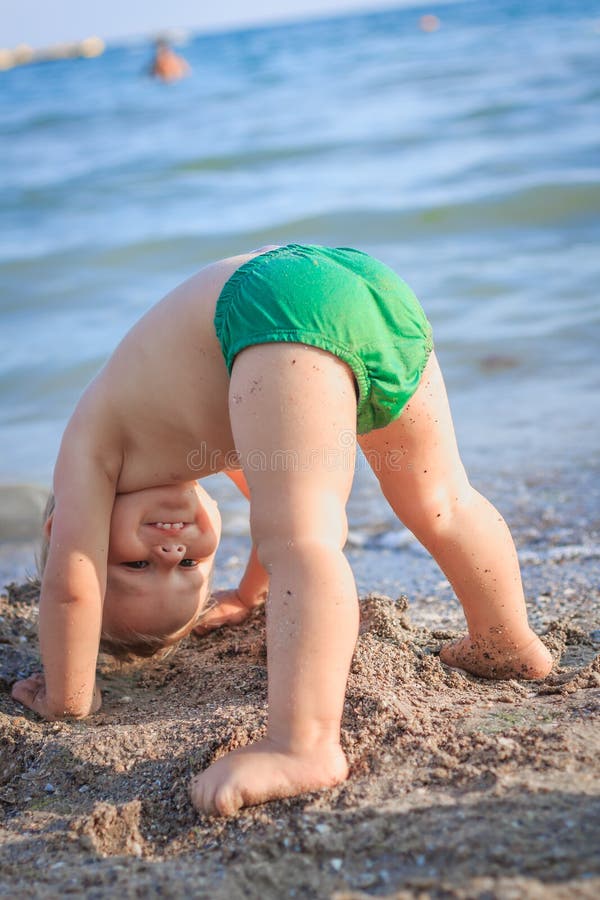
292	409
418	465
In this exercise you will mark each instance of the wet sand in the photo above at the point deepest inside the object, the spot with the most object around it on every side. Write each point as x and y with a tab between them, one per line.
459	787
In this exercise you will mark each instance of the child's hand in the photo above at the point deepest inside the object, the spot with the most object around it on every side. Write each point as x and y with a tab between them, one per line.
230	608
31	692
264	772
234	606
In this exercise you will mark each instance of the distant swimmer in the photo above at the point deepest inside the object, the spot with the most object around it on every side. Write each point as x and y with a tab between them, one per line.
167	65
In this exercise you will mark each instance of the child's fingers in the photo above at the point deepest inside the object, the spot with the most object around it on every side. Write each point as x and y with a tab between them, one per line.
228	610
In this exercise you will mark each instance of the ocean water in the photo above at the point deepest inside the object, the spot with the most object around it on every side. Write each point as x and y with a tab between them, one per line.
468	159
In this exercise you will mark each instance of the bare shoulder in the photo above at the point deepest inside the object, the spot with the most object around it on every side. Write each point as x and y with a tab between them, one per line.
92	434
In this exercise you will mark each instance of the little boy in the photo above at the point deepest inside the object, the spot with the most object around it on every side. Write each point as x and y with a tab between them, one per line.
270	362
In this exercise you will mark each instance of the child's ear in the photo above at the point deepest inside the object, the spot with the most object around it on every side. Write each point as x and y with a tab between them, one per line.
47	528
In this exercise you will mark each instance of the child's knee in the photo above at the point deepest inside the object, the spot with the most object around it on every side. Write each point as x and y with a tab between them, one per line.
280	549
438	509
302	516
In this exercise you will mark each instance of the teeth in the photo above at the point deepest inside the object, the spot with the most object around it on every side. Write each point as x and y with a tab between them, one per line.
169	525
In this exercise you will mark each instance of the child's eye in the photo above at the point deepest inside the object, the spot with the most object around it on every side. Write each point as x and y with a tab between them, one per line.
188	563
137	564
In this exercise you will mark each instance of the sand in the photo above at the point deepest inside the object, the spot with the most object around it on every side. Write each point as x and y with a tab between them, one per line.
459	787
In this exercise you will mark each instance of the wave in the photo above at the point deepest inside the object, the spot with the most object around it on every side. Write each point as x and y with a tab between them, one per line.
265	156
27	126
93	178
290	153
542	205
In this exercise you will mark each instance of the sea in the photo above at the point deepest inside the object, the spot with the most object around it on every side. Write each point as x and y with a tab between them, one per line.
463	150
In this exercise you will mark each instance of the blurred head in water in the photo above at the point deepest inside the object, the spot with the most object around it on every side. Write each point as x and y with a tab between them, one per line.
167	65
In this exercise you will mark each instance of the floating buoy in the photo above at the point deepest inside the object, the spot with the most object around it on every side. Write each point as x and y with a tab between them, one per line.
429	23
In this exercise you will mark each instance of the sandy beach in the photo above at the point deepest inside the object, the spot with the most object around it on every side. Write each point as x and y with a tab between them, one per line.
459	787
466	159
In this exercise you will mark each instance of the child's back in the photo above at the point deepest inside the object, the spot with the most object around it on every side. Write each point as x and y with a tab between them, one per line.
162	396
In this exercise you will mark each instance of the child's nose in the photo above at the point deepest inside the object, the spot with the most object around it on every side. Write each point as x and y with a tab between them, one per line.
169	553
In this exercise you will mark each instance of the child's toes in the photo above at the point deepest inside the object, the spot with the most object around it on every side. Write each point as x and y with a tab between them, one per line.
453	654
226	801
197	794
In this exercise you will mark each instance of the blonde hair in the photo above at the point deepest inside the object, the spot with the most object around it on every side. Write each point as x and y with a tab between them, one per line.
140	646
42	558
136	645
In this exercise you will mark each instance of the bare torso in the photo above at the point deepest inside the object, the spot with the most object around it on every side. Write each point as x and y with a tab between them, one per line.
161	401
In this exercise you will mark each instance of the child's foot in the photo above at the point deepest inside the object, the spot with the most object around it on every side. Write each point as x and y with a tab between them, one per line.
485	658
260	772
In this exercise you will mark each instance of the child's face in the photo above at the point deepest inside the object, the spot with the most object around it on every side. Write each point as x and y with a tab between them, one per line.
162	545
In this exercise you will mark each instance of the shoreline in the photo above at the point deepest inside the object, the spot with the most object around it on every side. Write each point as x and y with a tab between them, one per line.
553	511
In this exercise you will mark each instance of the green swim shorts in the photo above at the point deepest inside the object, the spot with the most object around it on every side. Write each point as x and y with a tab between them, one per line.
340	300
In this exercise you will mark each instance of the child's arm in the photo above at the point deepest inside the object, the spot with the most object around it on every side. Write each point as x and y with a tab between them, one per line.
234	606
74	583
